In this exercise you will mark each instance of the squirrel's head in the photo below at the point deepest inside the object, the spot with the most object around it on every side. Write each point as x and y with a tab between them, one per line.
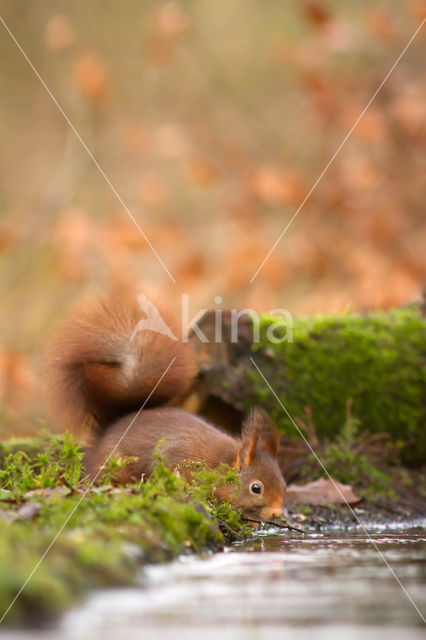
262	490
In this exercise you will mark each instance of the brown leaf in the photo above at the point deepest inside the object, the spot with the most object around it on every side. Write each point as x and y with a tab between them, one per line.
316	12
59	33
322	491
92	79
135	137
159	51
202	172
17	380
170	20
276	186
74	241
370	128
153	190
409	111
8	236
380	23
418	9
170	141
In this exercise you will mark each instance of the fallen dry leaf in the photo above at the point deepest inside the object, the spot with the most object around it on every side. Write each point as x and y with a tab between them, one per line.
92	79
322	491
59	33
276	186
171	21
153	190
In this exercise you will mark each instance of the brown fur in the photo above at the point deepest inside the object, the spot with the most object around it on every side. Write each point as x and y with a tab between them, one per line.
188	437
99	379
96	374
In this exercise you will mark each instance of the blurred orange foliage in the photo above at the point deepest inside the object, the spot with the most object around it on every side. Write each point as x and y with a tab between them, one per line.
59	33
212	124
92	79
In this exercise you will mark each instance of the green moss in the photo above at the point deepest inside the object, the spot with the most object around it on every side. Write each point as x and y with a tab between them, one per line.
378	359
109	531
30	446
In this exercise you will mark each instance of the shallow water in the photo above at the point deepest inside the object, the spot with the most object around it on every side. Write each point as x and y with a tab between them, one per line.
328	585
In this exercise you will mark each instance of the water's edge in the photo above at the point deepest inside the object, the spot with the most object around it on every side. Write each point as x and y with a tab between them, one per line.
330	584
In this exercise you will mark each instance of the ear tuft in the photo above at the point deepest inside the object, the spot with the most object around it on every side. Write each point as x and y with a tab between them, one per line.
247	448
260	422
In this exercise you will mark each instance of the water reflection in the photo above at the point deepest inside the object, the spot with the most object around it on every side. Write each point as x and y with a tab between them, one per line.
276	585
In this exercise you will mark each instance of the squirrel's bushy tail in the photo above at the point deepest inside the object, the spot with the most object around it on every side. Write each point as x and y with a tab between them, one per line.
110	360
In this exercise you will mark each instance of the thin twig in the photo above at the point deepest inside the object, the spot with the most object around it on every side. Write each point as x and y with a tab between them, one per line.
280	525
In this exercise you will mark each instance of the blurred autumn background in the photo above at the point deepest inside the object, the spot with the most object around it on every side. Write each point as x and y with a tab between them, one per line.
212	120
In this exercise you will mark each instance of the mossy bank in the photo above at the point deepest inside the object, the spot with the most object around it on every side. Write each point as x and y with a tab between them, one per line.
78	537
377	359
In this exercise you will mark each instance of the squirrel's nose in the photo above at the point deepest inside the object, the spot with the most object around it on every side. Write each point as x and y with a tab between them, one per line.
277	512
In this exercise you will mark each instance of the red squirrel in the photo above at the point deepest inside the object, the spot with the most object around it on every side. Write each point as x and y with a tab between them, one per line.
101	371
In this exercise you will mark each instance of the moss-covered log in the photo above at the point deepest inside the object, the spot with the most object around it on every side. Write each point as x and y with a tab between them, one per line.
377	359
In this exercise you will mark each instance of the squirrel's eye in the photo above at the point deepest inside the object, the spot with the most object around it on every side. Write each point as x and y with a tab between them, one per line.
256	488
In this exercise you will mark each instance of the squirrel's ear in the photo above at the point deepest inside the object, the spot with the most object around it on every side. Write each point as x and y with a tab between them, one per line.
259	421
247	448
